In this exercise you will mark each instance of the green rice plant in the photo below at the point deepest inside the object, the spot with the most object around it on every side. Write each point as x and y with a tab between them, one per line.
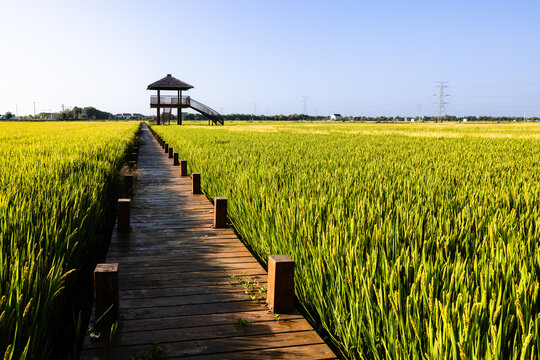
55	183
411	241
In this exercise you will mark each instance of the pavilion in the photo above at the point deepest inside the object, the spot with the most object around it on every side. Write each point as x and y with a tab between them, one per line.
178	101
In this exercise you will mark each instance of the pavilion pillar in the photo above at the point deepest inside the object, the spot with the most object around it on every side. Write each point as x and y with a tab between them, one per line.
179	115
158	102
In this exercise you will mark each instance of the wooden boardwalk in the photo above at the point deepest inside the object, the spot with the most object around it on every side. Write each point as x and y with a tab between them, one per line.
175	280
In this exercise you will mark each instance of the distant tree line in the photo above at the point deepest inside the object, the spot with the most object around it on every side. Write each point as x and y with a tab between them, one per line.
91	113
76	113
300	117
88	112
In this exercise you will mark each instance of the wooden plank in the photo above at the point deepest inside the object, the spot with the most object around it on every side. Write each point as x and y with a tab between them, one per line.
153	284
174	300
196	321
305	352
180	291
185	250
233	329
164	256
177	238
181	252
185	275
234	262
190	309
185	267
221	346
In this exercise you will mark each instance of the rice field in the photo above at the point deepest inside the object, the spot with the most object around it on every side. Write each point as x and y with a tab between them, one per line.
56	180
411	241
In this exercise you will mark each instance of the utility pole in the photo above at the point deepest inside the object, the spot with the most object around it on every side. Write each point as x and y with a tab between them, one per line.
441	95
34	109
419	108
62	107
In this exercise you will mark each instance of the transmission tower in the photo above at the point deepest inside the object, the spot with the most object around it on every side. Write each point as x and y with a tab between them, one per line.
441	96
305	104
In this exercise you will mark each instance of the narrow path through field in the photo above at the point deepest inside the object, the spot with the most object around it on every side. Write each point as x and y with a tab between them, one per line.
175	280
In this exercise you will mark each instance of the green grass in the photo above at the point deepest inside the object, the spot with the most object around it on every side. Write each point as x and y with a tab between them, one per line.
55	179
410	240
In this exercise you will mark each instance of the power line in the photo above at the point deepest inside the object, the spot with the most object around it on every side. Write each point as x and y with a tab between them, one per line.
441	95
496	86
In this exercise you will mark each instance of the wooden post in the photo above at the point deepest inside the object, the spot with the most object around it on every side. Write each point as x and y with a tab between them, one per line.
170	153
128	185
106	294
157	117
133	156
196	177
124	210
175	159
220	212
280	295
166	147
183	167
132	164
136	149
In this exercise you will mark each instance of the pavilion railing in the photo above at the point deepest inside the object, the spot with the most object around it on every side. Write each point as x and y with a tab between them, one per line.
168	100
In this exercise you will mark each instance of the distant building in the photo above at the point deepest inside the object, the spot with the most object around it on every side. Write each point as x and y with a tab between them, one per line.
123	116
128	116
464	120
335	117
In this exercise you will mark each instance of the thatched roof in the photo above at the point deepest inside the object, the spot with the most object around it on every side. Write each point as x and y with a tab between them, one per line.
169	83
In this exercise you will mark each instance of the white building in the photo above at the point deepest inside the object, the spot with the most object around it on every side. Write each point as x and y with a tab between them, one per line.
335	117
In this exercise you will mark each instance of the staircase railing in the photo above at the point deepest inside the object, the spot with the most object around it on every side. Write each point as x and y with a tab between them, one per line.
206	111
166	116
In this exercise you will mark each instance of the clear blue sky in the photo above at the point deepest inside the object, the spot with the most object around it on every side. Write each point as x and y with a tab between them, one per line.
351	57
